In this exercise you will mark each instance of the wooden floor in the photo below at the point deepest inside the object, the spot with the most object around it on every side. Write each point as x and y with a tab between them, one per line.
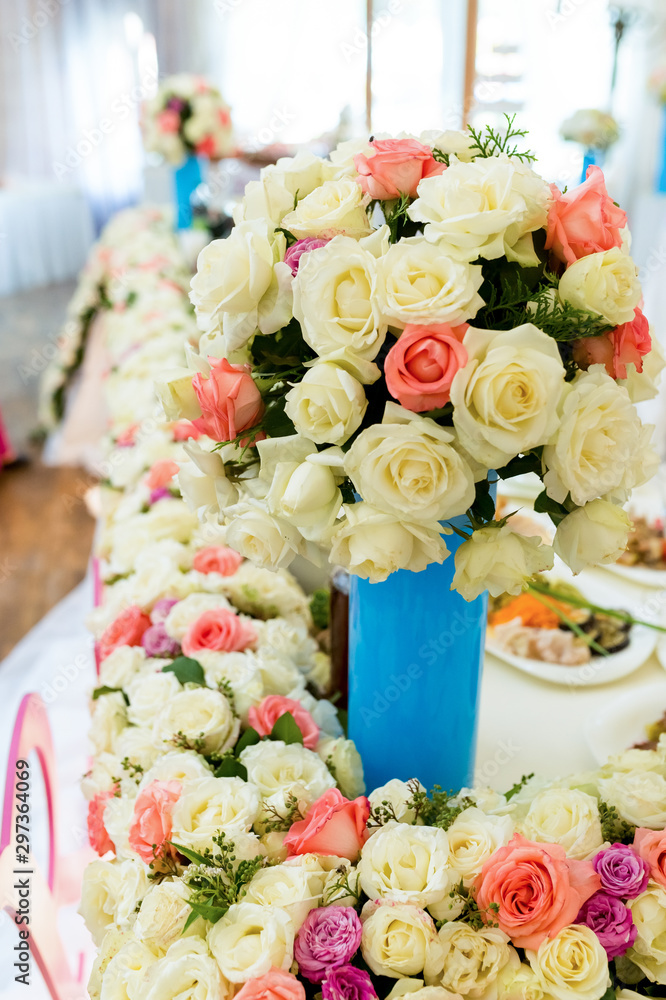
45	530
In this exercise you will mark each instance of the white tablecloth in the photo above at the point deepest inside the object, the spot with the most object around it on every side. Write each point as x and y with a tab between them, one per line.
46	231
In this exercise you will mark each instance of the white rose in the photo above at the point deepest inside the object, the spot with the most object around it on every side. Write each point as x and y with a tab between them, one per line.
518	239
505	399
396	796
293	888
638	796
166	520
566	817
186	612
418	283
121	665
573	963
645	385
278	674
299	174
118	813
176	765
187	970
604	283
240	671
406	864
334	208
473	837
266	540
136	743
499	560
398	939
469	961
290	639
347	765
148	693
266	198
341	885
518	981
110	893
601	448
109	718
176	394
593	535
207	805
126	972
373	544
253	589
408	467
451	141
474	209
250	939
277	768
163	915
327	405
342	157
305	494
112	942
204	716
415	989
649	950
101	777
335	299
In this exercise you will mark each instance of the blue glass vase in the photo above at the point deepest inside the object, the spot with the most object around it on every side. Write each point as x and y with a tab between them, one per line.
415	661
187	179
590	157
661	173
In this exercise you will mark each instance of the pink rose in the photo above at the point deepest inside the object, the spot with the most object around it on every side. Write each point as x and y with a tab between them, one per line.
230	401
275	985
264	716
97	833
396	168
206	147
183	430
585	220
333	825
420	367
293	255
126	437
217	559
538	889
218	629
150	826
126	630
161	473
168	120
626	344
650	845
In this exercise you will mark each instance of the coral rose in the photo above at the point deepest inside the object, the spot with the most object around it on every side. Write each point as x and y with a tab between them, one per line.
537	888
585	220
626	344
263	717
218	629
161	473
420	366
183	430
397	167
650	845
217	559
150	826
230	401
126	630
333	825
276	984
97	833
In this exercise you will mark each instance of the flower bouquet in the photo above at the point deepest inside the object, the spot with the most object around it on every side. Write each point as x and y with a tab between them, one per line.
187	117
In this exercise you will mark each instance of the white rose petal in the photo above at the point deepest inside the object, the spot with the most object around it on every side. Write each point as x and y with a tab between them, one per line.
336	207
398	939
593	535
406	864
327	405
202	715
470	960
499	560
604	283
250	939
573	963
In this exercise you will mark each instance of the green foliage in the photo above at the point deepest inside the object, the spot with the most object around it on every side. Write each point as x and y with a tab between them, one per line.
546	505
482	510
491	142
522	464
101	691
187	670
248	739
284	349
216	879
613	827
518	785
320	607
395	215
281	822
471	914
438	808
230	767
285	729
184	742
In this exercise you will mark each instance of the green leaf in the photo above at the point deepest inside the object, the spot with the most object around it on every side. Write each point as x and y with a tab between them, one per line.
521	465
190	920
229	767
285	729
193	856
187	670
248	739
546	505
609	994
343	717
519	784
101	691
212	913
483	508
320	607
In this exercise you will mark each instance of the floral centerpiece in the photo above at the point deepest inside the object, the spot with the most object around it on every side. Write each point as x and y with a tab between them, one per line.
385	334
593	129
187	116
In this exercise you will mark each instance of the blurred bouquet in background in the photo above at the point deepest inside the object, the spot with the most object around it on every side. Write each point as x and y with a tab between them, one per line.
187	116
591	128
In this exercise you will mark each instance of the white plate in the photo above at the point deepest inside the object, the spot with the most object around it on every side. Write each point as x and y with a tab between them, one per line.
621	723
600	669
641	575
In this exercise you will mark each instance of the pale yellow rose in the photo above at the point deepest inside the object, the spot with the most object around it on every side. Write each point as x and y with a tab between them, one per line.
336	207
499	560
604	283
593	535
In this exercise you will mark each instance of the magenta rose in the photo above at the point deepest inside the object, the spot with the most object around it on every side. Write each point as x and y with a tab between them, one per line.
293	255
611	921
161	609
347	983
329	937
156	642
622	872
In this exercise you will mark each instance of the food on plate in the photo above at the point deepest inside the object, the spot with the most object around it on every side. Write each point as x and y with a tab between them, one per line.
653	731
646	546
540	627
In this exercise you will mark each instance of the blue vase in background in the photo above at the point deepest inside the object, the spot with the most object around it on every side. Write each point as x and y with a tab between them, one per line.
590	157
415	661
661	172
186	178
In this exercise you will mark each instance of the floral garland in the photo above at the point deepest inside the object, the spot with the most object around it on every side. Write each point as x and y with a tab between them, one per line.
187	116
384	328
239	856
